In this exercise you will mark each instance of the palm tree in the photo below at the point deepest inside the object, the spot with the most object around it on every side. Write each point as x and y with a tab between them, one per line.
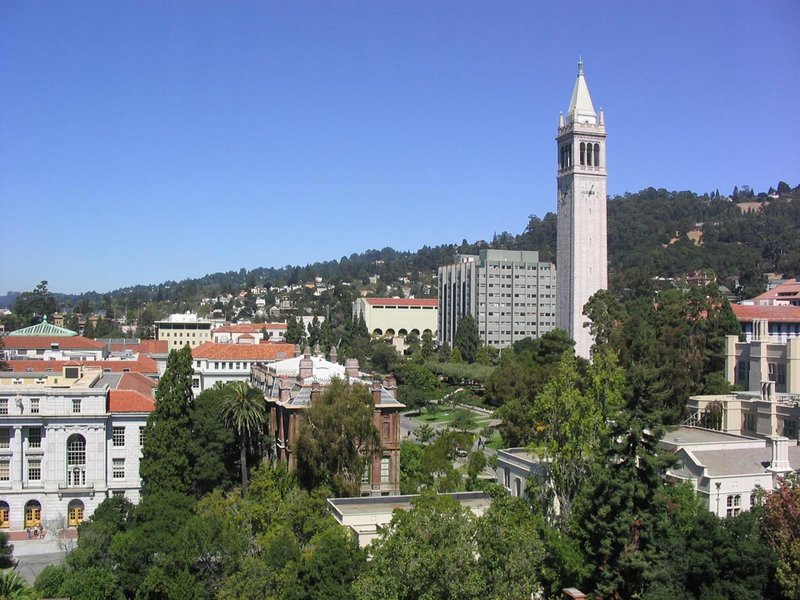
244	410
14	587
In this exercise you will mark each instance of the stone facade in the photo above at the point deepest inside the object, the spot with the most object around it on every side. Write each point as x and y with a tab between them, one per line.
582	253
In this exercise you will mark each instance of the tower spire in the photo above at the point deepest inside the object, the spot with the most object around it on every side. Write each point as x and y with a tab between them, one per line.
581	109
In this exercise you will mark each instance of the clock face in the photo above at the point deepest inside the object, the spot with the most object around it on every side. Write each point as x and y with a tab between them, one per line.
588	189
564	191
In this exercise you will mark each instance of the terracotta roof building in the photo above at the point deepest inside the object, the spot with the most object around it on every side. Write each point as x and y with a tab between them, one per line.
787	293
232	362
779	322
395	318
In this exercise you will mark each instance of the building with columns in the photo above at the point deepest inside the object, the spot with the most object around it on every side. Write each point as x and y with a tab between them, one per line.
66	447
582	252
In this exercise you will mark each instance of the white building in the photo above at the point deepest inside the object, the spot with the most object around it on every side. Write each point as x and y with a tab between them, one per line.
225	363
582	253
514	467
230	334
727	471
510	293
66	448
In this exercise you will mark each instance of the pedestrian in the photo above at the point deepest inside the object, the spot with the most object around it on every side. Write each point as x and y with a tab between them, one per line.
30	533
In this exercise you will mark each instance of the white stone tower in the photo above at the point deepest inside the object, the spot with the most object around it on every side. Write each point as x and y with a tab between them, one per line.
582	256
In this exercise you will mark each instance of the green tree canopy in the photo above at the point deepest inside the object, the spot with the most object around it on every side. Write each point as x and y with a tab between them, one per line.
467	339
245	411
165	463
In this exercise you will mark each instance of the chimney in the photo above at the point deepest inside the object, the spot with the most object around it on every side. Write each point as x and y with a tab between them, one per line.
351	367
376	392
333	354
314	391
284	389
780	455
317	351
297	350
390	383
306	367
573	594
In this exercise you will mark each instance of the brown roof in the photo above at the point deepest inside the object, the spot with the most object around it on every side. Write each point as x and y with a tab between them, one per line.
781	313
403	301
120	401
255	352
76	342
785	291
144	346
143	364
136	382
249	327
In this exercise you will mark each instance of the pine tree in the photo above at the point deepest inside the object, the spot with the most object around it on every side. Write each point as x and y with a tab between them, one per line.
467	339
295	331
165	461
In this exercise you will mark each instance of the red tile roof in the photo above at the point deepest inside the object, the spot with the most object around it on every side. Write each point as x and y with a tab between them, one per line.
143	364
76	342
785	291
250	327
144	347
136	382
402	301
122	401
775	314
255	352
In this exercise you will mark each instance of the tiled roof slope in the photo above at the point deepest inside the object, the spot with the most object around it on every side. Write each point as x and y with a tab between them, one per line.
122	401
250	327
255	352
143	364
77	342
780	313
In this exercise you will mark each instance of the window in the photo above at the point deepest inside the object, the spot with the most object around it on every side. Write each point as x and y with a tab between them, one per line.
34	437
5	470
34	406
76	405
790	429
76	460
35	469
385	469
118	468
196	383
734	505
386	430
118	437
141	437
365	476
750	421
5	437
118	494
3	406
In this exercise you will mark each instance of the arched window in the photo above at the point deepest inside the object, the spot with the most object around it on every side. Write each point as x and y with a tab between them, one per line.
75	513
589	154
76	460
402	333
583	153
4	515
389	333
377	332
597	155
33	514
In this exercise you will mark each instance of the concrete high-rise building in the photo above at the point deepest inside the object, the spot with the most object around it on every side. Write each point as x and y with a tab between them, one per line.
510	294
582	255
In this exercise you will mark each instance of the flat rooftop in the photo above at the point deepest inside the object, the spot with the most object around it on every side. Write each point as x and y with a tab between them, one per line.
697	435
372	504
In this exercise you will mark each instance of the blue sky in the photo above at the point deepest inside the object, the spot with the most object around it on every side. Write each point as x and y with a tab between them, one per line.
146	141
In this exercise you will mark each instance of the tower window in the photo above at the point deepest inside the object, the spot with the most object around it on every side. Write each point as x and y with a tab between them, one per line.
589	154
583	153
597	155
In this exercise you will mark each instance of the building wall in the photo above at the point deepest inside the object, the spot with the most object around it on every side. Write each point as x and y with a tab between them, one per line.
180	330
385	319
511	295
57	422
748	364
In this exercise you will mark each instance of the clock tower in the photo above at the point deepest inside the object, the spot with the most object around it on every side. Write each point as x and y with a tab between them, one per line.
582	253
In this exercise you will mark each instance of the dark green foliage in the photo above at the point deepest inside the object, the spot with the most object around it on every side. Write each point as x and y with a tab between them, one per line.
32	307
49	581
245	411
6	552
384	357
467	339
336	439
295	332
165	464
214	450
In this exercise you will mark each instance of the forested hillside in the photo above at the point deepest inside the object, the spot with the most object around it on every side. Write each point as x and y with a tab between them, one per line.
652	233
